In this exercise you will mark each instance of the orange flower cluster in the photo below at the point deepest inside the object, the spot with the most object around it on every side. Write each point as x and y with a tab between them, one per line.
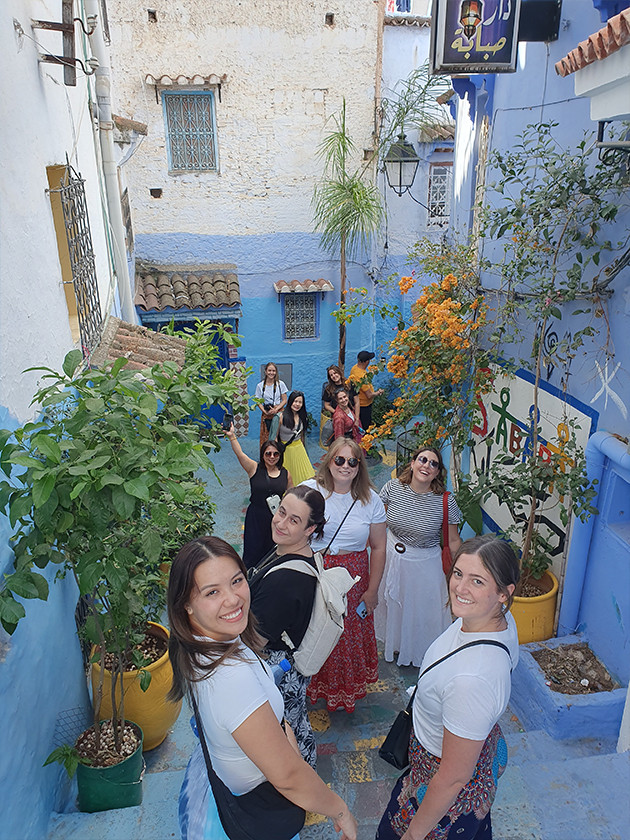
398	366
406	283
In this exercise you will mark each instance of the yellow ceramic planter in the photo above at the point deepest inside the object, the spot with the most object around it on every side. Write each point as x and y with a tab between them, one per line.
150	709
534	616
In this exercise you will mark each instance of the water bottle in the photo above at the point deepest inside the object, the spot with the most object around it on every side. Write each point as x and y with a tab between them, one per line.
280	670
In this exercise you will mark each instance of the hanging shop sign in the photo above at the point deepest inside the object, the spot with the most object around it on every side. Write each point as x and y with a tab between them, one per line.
474	36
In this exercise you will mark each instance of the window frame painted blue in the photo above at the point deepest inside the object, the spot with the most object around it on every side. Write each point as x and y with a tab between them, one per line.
315	296
171	95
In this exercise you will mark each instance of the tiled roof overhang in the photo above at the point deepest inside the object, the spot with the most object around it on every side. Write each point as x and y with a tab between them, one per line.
203	289
182	80
301	286
598	46
141	346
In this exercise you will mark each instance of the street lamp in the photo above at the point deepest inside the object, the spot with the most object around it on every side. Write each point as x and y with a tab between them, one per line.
401	164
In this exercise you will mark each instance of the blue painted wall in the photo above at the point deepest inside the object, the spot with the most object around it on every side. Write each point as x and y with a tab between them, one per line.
43	697
262	261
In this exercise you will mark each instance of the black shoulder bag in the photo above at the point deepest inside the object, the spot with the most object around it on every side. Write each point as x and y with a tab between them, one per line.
261	814
395	748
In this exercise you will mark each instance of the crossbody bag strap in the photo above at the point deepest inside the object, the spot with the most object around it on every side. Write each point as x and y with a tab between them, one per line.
325	551
445	520
212	776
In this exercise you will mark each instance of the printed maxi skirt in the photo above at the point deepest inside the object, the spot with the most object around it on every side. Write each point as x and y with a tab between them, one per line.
353	663
469	816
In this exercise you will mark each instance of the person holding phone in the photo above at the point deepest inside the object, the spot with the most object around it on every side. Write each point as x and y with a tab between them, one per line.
267	479
412	611
355	522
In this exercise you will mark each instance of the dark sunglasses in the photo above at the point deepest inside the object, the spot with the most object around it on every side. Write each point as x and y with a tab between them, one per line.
424	460
340	461
272	453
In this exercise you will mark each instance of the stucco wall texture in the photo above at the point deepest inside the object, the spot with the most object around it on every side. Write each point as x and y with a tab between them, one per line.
286	71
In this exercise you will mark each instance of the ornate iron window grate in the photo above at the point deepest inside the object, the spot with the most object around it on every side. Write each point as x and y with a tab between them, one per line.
191	136
300	315
82	265
439	195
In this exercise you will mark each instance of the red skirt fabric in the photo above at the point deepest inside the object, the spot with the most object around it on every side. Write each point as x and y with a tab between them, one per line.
354	661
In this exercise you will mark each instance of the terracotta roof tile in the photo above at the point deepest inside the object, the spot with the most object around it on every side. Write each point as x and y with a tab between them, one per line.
321	285
608	40
186	287
169	79
141	346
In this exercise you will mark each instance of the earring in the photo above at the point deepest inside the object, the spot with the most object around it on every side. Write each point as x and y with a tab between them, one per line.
189	610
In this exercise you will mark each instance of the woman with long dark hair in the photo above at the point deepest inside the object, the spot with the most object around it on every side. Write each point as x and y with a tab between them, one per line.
282	600
267	478
355	522
291	433
214	650
412	611
457	751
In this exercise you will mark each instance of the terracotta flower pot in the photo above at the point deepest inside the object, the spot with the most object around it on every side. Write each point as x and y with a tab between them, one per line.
149	709
534	616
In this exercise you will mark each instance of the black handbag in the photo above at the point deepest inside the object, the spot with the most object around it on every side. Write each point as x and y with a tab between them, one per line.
395	748
261	814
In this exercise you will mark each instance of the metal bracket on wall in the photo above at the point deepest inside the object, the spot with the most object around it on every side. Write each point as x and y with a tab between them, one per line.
613	152
68	59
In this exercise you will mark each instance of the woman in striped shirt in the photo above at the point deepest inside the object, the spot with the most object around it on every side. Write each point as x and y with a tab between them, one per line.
412	609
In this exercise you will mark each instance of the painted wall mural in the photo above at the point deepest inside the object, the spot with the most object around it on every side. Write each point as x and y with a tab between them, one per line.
507	425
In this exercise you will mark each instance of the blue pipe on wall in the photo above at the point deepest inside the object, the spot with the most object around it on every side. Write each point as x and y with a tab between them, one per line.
600	446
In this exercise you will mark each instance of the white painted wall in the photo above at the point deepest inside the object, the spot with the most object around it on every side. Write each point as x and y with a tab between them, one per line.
41	120
287	72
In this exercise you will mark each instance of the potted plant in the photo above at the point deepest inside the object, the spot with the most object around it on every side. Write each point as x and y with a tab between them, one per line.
546	230
97	486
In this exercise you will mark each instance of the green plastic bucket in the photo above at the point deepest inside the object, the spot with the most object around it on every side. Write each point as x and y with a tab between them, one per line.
119	786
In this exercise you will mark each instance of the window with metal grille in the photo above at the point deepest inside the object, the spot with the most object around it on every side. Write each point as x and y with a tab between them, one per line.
75	216
190	131
300	315
439	202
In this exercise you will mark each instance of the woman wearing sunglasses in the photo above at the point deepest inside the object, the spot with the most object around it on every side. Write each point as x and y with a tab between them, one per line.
413	610
355	521
267	478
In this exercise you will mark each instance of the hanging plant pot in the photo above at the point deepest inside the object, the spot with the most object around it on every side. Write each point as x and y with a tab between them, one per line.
150	709
118	786
534	616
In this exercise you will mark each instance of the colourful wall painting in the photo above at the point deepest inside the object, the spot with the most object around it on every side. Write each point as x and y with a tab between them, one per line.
506	425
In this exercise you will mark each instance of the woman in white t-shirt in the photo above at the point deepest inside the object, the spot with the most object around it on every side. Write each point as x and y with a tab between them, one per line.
273	393
457	751
355	521
214	650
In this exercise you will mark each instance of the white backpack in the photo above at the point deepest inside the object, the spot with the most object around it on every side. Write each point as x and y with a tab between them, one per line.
329	608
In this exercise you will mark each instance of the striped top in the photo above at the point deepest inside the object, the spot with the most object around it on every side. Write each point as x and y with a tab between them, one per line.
416	518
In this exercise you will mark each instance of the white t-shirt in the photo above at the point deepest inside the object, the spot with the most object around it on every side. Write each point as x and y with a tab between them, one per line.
353	534
270	394
467	693
226	699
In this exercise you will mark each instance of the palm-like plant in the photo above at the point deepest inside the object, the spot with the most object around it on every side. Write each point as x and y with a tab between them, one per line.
347	207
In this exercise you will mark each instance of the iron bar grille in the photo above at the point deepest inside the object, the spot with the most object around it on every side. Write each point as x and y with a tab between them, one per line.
82	265
300	316
439	195
190	131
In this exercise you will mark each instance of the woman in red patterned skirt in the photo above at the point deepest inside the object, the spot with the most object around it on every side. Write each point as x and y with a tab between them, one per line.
355	520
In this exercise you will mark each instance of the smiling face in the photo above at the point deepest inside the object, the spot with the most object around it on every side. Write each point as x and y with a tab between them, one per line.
475	596
271	456
297	403
290	527
342	399
424	473
218	606
270	372
343	474
334	376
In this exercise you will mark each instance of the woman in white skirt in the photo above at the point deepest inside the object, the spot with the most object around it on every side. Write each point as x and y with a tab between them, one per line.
412	610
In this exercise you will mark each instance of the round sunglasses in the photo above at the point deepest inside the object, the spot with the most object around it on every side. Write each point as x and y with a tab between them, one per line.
340	461
271	453
424	460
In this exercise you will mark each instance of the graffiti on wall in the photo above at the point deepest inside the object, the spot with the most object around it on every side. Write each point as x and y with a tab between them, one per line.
507	425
